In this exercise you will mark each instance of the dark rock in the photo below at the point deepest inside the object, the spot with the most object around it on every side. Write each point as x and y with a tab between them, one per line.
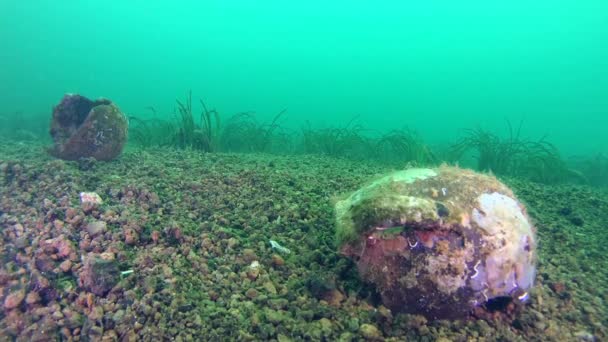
185	307
82	128
319	285
99	275
44	263
577	221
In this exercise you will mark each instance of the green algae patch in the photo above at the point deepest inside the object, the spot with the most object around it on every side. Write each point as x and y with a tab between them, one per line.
382	203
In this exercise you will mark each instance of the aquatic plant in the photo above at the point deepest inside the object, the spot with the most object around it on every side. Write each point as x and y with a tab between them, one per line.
244	133
538	161
594	169
404	146
347	141
151	132
493	154
198	136
23	127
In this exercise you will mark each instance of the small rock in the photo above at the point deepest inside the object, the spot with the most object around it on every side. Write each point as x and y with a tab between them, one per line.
98	275
96	313
269	286
198	321
44	263
385	313
14	299
66	333
253	271
251	293
96	227
424	330
333	297
585	336
131	236
283	338
275	316
326	325
370	332
65	266
57	315
558	287
89	201
118	316
110	335
249	255
277	260
95	332
73	319
109	256
58	224
232	242
61	244
32	298
540	325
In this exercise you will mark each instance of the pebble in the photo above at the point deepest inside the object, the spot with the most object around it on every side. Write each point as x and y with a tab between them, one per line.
118	315
58	224
334	297
370	332
96	313
65	266
253	271
585	336
32	298
96	227
14	299
540	325
424	330
275	316
269	286
57	315
277	260
232	242
249	255
251	293
326	325
283	338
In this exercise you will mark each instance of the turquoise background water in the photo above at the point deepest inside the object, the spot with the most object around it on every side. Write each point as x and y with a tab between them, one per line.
436	66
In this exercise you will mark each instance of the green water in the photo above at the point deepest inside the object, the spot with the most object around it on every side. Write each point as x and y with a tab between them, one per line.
435	66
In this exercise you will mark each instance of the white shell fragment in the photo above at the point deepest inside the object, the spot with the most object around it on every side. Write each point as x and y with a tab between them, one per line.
90	198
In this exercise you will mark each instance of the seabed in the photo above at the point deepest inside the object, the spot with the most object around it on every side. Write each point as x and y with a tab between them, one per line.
179	249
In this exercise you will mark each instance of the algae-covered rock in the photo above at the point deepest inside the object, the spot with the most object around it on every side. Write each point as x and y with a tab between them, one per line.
82	128
99	275
439	242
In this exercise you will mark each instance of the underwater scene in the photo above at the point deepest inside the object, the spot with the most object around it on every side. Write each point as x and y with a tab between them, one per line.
303	171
